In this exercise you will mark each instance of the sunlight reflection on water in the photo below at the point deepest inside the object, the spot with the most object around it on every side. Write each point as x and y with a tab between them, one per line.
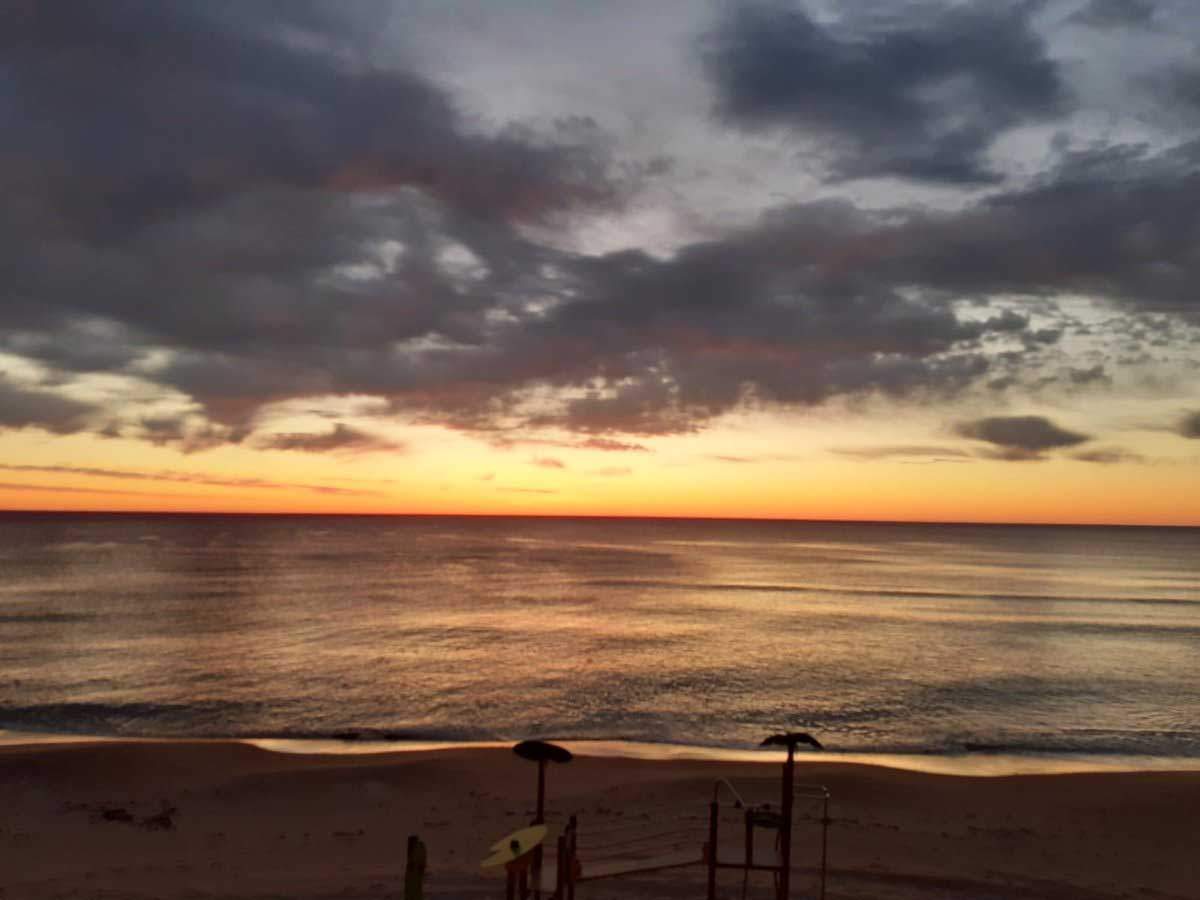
884	638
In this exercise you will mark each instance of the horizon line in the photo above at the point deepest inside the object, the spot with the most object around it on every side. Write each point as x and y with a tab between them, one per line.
596	516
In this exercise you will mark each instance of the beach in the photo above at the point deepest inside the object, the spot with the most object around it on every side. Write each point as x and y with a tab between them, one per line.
231	820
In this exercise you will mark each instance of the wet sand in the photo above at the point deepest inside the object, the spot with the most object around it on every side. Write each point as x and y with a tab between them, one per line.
228	820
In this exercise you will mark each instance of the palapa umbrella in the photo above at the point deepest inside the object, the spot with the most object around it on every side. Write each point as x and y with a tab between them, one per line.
542	752
790	740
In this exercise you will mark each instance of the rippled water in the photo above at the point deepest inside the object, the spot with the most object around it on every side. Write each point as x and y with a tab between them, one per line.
878	638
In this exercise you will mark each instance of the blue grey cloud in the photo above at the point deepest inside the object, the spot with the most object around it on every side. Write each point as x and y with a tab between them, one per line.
914	92
251	202
1020	437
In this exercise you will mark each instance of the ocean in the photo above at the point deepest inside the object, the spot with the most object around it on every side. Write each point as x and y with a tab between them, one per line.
876	638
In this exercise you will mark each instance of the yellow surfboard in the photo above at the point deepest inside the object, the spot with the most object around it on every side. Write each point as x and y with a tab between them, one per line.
514	846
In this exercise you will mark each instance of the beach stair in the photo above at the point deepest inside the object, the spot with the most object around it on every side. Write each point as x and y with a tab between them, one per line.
659	839
732	837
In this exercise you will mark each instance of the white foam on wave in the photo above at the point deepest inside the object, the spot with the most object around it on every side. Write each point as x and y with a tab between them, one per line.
967	764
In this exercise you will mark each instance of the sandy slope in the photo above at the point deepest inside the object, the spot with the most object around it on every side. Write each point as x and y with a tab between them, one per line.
90	821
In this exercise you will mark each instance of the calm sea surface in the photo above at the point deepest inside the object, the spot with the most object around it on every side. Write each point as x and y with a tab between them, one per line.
877	638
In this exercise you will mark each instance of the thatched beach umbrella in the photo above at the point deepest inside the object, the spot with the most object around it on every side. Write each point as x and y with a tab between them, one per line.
542	752
790	740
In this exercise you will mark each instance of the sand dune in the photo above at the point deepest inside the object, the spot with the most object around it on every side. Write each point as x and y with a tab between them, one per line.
228	820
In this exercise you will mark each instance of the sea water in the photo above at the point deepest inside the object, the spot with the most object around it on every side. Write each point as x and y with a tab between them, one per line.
876	638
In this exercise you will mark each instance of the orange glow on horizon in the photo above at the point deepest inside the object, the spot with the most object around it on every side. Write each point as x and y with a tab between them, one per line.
757	469
861	497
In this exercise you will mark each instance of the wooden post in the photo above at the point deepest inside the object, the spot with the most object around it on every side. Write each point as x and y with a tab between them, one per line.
414	869
713	813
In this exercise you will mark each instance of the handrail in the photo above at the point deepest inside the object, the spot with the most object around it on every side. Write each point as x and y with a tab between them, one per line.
738	802
811	791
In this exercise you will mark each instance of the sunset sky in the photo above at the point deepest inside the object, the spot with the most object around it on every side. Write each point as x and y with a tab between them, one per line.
858	260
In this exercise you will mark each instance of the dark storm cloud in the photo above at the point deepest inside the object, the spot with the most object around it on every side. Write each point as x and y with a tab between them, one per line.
1115	14
130	112
918	92
1176	88
1116	222
25	406
77	346
1020	437
776	314
214	178
230	200
196	172
813	301
1189	426
342	438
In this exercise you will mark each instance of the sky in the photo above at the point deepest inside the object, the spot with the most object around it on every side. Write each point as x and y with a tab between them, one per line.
868	259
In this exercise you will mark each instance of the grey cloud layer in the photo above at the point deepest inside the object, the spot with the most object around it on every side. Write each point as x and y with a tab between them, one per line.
1115	13
133	111
22	406
1189	425
918	93
1021	437
342	438
239	186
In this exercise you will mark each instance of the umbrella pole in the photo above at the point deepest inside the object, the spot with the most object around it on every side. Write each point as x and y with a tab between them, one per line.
539	819
785	854
541	794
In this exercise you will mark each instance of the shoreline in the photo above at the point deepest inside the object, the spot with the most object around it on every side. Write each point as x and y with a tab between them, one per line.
976	763
223	819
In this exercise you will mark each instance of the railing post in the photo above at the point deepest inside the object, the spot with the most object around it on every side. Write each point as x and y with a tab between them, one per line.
749	839
539	819
573	854
414	869
561	874
824	841
713	812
